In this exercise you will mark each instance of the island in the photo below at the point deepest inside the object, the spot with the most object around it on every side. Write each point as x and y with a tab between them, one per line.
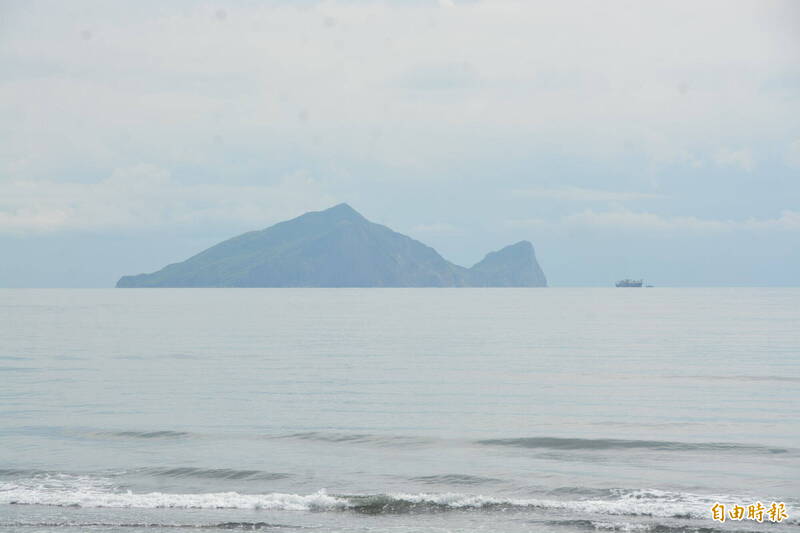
338	247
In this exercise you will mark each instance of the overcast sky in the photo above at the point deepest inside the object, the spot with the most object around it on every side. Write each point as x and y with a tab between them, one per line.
624	139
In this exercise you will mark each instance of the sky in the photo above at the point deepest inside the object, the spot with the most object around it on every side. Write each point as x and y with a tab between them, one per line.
656	140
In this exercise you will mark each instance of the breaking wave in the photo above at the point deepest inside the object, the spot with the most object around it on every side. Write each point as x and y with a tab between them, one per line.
319	501
86	491
633	503
248	526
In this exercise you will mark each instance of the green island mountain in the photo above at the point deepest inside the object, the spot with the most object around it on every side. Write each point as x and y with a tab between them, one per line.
338	247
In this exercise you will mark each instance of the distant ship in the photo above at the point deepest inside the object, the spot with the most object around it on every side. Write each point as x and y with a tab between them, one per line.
630	283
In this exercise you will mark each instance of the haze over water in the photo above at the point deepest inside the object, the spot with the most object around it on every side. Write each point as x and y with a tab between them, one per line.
397	409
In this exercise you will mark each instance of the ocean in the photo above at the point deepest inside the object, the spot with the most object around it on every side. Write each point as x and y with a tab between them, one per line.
398	410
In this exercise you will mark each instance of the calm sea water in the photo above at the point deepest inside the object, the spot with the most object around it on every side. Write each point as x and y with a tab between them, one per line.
397	410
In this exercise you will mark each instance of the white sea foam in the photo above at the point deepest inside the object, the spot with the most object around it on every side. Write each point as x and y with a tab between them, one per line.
85	491
638	502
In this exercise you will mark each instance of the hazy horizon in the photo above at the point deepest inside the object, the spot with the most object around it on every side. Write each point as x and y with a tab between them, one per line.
655	141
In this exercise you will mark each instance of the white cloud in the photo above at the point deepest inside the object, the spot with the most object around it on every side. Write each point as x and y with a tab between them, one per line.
579	194
144	196
157	82
650	222
742	159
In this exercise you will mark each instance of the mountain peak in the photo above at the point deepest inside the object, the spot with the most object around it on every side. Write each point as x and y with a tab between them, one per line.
521	245
342	210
